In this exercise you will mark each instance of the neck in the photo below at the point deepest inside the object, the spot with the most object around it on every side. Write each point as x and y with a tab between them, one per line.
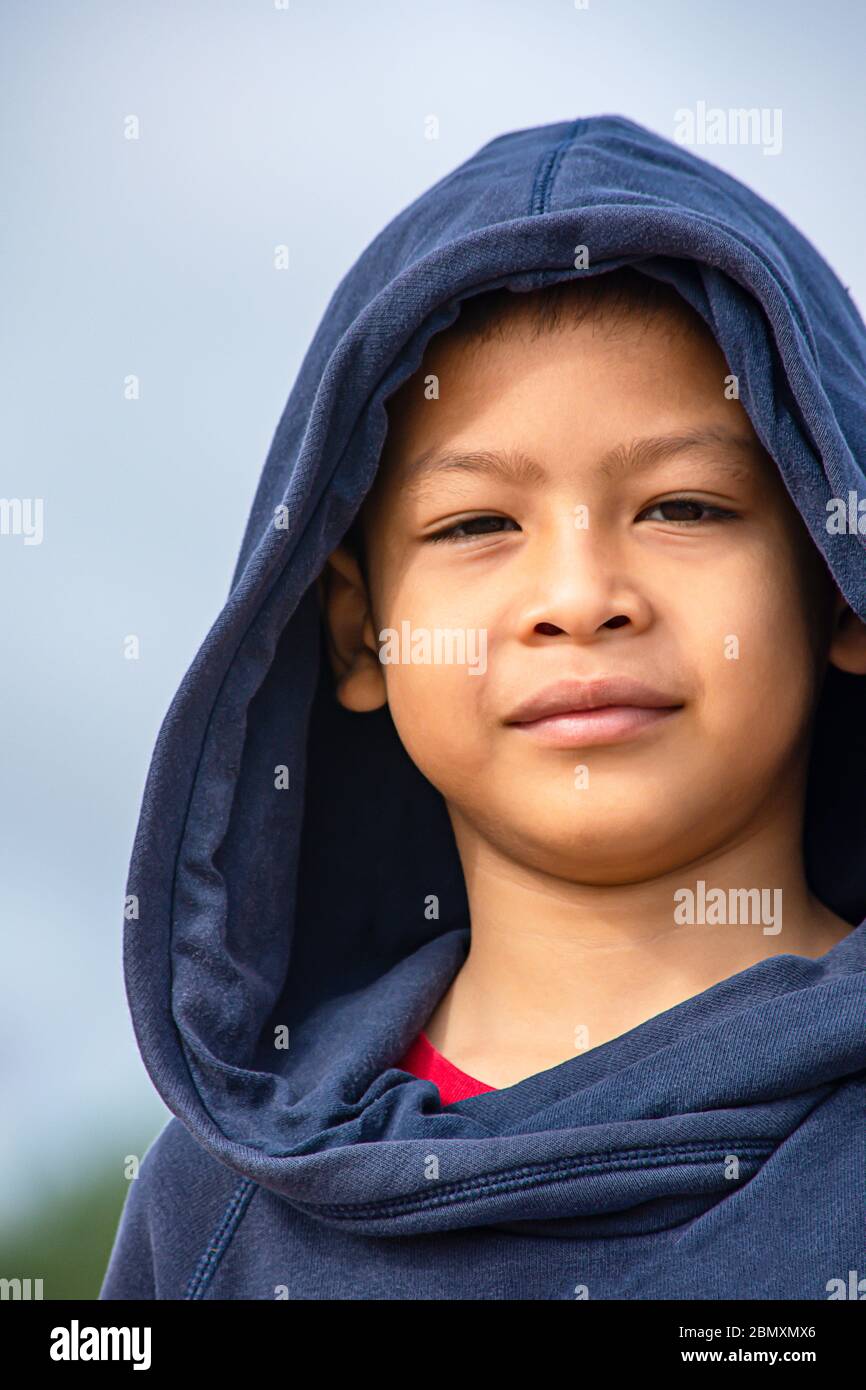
556	967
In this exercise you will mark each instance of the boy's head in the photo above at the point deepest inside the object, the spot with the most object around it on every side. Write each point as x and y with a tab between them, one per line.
526	491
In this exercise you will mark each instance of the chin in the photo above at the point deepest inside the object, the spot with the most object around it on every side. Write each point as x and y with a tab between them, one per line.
593	847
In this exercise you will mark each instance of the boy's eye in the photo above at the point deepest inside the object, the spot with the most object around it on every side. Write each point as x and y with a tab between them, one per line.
473	526
688	504
490	525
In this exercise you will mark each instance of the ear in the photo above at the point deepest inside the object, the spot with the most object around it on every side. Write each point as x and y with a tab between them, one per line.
847	648
352	646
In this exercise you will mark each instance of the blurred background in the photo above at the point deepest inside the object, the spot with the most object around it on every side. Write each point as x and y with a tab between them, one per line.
256	124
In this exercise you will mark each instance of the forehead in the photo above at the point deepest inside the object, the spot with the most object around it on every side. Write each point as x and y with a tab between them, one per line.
467	351
593	385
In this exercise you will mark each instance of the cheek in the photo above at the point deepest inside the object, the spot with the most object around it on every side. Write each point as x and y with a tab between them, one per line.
748	645
437	703
437	712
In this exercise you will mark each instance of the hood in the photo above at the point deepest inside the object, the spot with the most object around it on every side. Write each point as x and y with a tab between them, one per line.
262	907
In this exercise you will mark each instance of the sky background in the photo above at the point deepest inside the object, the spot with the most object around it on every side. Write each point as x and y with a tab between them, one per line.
260	124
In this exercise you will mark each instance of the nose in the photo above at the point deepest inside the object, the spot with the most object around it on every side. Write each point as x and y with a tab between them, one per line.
580	584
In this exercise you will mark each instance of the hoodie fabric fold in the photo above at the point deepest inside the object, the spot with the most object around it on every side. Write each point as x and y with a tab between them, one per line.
718	1150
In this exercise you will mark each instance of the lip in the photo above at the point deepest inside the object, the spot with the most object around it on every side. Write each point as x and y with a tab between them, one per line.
573	713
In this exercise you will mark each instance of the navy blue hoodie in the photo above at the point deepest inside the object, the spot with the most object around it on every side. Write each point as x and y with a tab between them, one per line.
307	1172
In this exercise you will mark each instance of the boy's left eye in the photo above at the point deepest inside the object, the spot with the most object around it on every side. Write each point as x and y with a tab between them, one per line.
695	504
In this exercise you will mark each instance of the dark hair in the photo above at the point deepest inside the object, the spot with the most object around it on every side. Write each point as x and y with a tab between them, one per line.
609	298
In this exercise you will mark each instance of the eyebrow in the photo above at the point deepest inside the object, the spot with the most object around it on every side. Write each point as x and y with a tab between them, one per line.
514	466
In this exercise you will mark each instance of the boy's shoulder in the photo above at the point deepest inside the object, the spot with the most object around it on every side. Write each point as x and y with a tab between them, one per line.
179	1214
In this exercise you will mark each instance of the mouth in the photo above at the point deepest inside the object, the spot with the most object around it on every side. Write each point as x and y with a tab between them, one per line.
578	713
605	724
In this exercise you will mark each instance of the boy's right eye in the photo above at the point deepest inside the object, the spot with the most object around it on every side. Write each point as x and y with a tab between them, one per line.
450	533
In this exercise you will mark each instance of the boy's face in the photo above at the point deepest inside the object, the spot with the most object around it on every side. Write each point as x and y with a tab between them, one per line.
731	619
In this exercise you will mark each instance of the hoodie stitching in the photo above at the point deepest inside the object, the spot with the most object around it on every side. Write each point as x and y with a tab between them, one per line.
232	1217
547	170
539	203
517	1178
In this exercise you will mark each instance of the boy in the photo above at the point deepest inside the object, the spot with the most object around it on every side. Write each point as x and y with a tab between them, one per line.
594	873
501	918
